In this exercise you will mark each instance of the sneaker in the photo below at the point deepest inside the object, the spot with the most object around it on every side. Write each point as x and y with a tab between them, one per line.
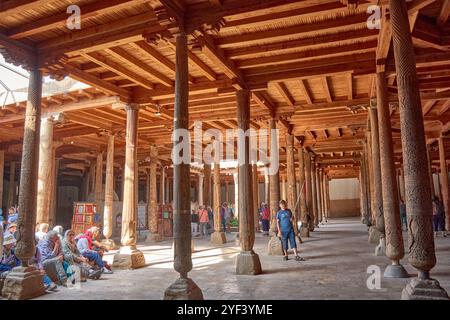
106	271
298	258
285	258
95	274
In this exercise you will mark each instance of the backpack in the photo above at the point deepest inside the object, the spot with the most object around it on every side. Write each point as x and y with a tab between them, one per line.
194	218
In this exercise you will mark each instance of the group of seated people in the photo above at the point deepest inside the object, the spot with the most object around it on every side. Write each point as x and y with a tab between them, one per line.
59	256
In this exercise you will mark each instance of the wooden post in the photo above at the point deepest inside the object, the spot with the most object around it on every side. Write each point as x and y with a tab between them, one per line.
25	282
393	246
417	184
266	186
274	245
319	195
183	287
236	193
12	184
109	196
92	180
444	182
430	170
302	185
200	189
162	184
99	179
218	237
152	202
247	260
327	198
207	184
255	195
307	218
315	221
322	195
291	181
129	256
54	185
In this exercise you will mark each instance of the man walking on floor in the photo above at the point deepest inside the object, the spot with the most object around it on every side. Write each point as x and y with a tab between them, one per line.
285	220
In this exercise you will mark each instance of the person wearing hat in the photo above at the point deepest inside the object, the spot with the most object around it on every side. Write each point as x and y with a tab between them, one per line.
12	228
8	259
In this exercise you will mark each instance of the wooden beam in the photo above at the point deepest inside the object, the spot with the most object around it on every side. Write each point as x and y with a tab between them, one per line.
350	86
326	89
95	82
305	91
12	7
118	68
284	92
444	13
123	55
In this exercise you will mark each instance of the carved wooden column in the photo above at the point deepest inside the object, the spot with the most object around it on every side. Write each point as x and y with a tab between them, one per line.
376	167
274	245
306	224
12	184
322	196
200	189
444	182
218	237
266	186
319	195
255	195
183	287
25	282
99	178
391	210
303	214
430	170
162	184
2	172
247	261
129	256
364	191
417	184
109	195
290	172
207	184
236	193
315	221
152	197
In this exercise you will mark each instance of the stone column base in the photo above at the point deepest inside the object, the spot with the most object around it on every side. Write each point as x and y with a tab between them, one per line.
23	283
274	247
395	271
419	289
304	231
247	262
129	258
218	238
153	237
374	236
380	250
183	289
109	244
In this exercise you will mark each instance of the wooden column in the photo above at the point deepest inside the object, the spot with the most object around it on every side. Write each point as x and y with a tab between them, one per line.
322	195
308	218
444	182
247	260
25	282
2	173
207	184
236	192
364	191
315	221
417	185
154	235
45	170
99	178
394	239
274	245
92	180
226	192
162	184
54	186
183	288
283	188
218	237
129	256
109	195
167	193
319	195
302	214
200	189
430	170
291	181
12	184
376	168
266	186
327	198
255	195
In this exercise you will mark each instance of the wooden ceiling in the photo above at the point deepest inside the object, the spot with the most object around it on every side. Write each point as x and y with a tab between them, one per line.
310	64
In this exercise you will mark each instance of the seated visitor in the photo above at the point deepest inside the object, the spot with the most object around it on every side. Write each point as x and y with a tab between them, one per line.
13	215
52	258
60	231
42	231
12	228
8	259
87	246
35	261
73	256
